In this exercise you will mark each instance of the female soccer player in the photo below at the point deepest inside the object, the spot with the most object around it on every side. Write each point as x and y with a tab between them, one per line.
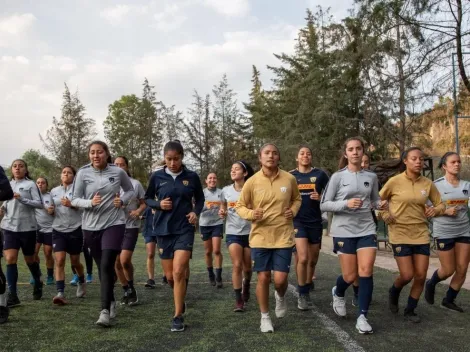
133	210
174	222
6	193
150	246
270	200
407	219
350	194
211	227
44	235
308	222
451	232
238	231
67	236
97	190
19	229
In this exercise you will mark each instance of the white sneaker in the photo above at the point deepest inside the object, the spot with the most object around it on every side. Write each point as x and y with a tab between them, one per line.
281	305
339	304
81	290
363	326
266	324
112	311
302	303
104	318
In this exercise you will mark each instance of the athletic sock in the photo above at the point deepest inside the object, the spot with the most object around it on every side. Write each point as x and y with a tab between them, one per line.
81	279
171	283
303	290
366	286
12	278
60	285
412	304
265	315
35	272
210	270
125	288
451	294
218	274
131	284
73	270
341	286
395	291
238	294
435	279
356	290
50	272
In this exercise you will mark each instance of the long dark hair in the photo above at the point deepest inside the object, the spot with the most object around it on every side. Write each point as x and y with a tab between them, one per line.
26	175
400	163
126	161
174	146
109	160
444	158
45	179
343	161
246	168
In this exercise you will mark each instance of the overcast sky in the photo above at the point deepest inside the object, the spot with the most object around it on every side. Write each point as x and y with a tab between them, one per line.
105	49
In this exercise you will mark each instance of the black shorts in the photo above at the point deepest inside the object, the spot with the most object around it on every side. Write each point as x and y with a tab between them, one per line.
207	232
26	241
44	238
241	240
130	239
350	245
169	244
446	244
70	242
312	234
110	238
268	259
1	243
407	250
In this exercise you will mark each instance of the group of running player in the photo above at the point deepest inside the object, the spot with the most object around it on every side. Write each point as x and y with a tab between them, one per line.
267	215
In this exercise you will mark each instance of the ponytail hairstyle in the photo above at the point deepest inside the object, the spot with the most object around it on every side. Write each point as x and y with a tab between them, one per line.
343	161
400	164
26	175
246	168
175	146
443	160
126	161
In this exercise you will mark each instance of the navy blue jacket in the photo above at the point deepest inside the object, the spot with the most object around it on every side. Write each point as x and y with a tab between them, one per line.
182	190
6	193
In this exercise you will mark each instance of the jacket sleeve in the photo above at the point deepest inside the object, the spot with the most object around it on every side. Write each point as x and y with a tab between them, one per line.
151	193
245	199
198	196
36	199
6	192
435	198
385	194
78	193
296	200
328	202
126	186
374	196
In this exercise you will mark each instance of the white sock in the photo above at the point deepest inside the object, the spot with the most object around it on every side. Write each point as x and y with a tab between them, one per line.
265	315
3	300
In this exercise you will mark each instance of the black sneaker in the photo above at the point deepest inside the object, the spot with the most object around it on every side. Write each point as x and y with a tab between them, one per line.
212	279
125	298
37	291
412	317
450	305
150	283
164	280
132	298
429	291
4	313
219	283
178	324
312	286
13	300
393	302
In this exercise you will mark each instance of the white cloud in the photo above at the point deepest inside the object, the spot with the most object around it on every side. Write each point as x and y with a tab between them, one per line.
170	18
58	63
18	59
119	13
13	29
229	7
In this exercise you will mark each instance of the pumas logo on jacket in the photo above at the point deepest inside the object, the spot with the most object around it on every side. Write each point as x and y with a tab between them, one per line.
111	179
465	191
185	182
283	189
366	184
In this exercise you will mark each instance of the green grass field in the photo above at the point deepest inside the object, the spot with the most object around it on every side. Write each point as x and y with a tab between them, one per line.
212	326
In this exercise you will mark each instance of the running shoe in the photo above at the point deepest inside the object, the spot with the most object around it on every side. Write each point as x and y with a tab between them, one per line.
219	283
132	298
450	305
429	292
281	305
37	291
239	306
31	280
266	324
302	302
50	281
59	299
355	300
74	281
89	278
363	326
411	316
125	298
81	290
212	279
339	303
13	300
103	320
150	283
393	301
177	324
4	313
112	311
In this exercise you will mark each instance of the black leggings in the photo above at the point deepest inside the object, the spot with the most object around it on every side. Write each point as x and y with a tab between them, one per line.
105	264
88	261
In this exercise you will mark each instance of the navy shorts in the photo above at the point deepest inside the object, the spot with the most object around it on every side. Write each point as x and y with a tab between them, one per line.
168	245
130	239
407	250
241	240
70	242
446	244
44	238
150	239
207	232
267	259
1	243
350	245
110	238
312	234
26	241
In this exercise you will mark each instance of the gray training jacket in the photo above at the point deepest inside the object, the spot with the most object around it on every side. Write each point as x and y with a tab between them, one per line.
43	218
107	183
66	219
345	185
19	213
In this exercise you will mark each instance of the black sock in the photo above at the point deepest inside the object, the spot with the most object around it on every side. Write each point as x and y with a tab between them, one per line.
435	279
341	286
81	279
395	291
218	274
3	281
125	288
35	272
356	290
50	272
366	286
12	277
451	294
210	270
238	294
412	304
131	284
88	261
60	285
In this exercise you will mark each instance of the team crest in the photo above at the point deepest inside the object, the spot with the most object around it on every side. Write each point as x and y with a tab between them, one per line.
340	244
185	182
296	230
424	193
313	179
465	191
283	189
398	249
366	184
111	179
441	245
160	250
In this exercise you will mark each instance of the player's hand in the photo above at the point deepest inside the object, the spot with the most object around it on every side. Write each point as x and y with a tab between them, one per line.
117	201
50	210
452	211
355	203
288	213
16	195
429	212
258	214
192	218
96	199
222	213
166	204
134	214
66	202
315	195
